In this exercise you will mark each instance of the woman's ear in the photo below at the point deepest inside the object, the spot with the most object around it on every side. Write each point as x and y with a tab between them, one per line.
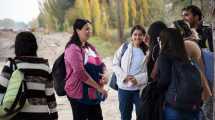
146	40
77	30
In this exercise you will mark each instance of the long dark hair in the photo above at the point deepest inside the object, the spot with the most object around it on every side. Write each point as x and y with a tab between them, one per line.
173	44
143	46
25	44
78	24
195	11
154	32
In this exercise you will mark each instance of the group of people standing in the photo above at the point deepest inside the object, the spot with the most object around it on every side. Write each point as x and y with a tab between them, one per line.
170	58
147	57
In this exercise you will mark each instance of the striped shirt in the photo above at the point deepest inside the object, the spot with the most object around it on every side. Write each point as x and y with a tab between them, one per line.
40	92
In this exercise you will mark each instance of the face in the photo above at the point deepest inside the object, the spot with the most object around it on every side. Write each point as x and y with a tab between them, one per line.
84	33
137	37
184	14
193	20
146	39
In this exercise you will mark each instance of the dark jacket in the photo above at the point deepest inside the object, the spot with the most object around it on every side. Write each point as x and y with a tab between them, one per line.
164	72
152	97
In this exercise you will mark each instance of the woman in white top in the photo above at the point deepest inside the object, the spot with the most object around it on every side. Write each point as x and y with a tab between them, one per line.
131	71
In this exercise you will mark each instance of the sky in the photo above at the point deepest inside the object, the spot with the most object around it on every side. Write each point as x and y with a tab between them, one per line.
19	10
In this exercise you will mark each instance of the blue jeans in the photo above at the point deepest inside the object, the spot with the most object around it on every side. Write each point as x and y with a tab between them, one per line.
173	114
126	101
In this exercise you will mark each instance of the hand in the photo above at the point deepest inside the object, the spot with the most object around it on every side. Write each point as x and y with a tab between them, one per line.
195	35
103	92
104	79
134	81
128	78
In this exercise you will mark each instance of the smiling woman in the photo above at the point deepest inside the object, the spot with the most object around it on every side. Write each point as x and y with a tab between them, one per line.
19	10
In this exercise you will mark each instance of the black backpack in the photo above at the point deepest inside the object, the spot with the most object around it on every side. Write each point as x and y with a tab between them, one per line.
184	91
151	106
59	75
113	80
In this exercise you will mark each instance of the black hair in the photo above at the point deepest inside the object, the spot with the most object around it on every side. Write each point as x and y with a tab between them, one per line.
138	27
25	44
154	49
195	11
183	27
172	44
154	32
78	24
143	46
184	9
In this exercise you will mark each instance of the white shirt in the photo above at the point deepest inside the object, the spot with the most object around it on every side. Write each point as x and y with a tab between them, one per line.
129	65
136	60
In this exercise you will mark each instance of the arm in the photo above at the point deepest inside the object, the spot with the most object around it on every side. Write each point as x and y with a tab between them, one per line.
104	76
116	65
206	89
141	78
194	52
51	100
164	72
4	78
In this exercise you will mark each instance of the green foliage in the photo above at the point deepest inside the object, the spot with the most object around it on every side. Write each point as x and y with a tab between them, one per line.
103	46
53	12
156	11
60	14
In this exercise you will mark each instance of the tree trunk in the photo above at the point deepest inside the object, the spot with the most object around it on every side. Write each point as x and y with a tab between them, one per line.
112	14
120	21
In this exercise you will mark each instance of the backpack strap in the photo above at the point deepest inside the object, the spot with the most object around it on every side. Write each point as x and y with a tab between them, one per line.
124	48
12	63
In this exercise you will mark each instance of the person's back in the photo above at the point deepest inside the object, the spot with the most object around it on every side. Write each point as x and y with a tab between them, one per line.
40	95
194	53
178	78
41	102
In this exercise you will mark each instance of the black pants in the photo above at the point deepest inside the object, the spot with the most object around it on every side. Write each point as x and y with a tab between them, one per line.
29	116
85	112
